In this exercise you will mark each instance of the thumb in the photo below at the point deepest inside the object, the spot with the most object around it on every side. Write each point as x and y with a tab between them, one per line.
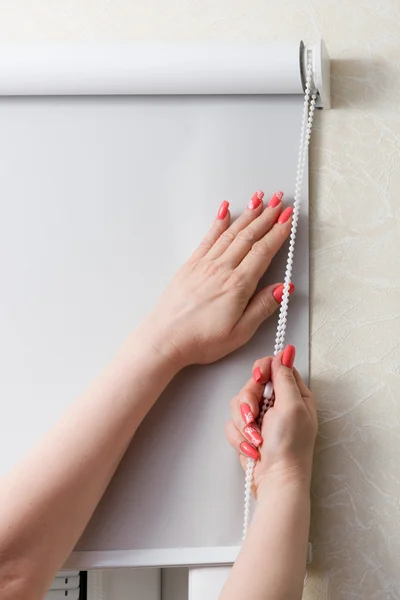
283	378
262	306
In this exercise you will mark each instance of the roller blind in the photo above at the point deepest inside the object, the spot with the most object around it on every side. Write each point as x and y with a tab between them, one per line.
113	162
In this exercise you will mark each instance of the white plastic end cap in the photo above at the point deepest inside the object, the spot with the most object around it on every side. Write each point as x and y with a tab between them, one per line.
268	391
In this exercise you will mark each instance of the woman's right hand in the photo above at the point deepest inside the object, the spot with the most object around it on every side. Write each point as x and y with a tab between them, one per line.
284	446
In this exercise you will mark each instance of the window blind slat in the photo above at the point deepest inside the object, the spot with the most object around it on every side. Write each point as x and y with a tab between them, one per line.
65	583
65	586
62	595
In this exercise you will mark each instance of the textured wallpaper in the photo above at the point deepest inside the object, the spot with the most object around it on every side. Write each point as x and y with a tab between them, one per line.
355	259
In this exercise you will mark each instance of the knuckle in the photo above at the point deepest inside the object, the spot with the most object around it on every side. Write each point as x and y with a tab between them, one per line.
219	227
287	376
267	305
262	249
247	235
259	361
238	281
205	244
212	268
281	233
227	236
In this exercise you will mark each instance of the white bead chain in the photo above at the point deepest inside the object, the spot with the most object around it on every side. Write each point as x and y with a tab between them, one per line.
305	135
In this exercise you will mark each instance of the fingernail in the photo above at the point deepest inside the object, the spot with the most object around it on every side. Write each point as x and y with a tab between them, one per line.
285	216
223	210
288	356
275	200
256	200
257	375
253	436
278	292
246	413
247	449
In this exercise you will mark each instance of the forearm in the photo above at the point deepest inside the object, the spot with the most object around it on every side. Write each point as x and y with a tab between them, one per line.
48	499
271	564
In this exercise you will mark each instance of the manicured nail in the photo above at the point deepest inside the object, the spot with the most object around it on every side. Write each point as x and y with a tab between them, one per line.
285	216
247	449
253	436
256	200
275	200
223	210
288	356
257	375
278	292
246	413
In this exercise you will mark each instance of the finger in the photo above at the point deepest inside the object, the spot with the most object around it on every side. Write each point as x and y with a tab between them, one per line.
251	393
239	443
262	371
306	394
245	406
257	261
251	234
251	431
244	416
262	306
220	224
251	212
285	385
304	391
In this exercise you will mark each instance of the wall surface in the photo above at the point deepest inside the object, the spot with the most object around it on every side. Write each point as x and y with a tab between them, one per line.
355	237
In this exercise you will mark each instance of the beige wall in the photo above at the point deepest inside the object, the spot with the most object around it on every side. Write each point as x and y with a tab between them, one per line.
355	210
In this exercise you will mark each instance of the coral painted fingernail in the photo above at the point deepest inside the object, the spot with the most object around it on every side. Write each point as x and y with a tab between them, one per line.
278	292
257	375
223	210
285	216
247	449
256	200
275	200
253	436
288	356
246	413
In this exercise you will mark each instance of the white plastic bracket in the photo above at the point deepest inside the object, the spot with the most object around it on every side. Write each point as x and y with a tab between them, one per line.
321	63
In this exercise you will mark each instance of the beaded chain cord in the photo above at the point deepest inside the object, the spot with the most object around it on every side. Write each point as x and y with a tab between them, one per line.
310	96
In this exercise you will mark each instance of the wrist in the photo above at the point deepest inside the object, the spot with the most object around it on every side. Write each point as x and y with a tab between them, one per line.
149	347
137	376
293	479
162	340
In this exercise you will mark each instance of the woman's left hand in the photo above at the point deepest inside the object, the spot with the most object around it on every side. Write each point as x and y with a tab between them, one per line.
284	445
208	310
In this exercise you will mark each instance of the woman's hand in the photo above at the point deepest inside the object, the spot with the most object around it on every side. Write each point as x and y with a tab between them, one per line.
276	543
208	310
284	446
